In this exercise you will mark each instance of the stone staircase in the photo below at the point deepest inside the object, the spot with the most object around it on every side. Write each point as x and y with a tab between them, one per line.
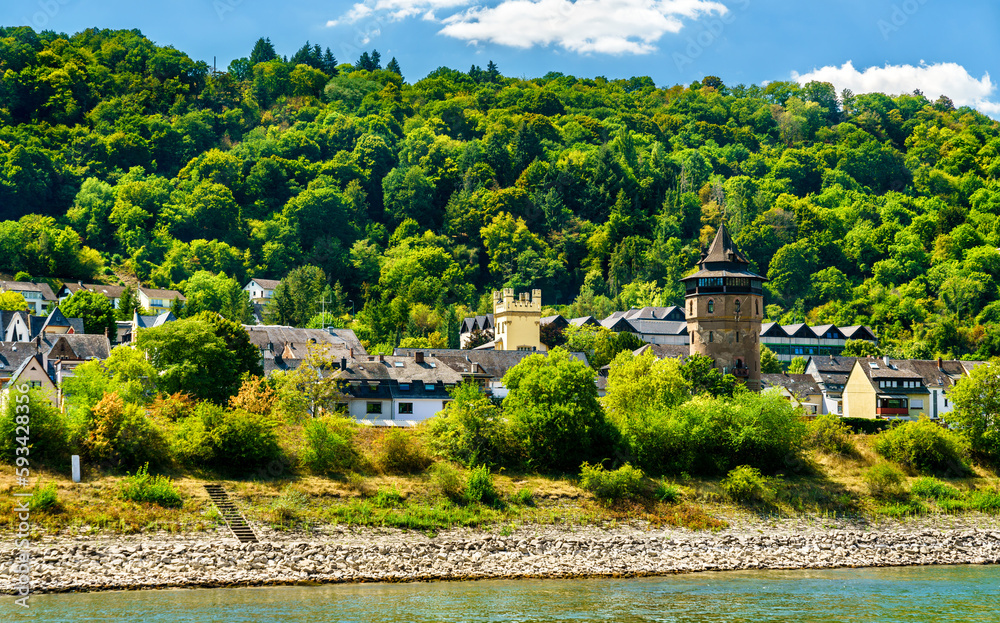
234	519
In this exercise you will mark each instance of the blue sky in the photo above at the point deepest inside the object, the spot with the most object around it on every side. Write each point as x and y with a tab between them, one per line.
889	45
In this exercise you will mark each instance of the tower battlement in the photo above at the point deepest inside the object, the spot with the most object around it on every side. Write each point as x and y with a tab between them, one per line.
504	301
517	320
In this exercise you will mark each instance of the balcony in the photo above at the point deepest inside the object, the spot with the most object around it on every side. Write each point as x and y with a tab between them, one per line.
892	411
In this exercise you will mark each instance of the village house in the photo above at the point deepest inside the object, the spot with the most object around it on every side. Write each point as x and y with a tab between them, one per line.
38	296
158	301
45	361
401	390
802	340
800	389
260	291
830	373
485	367
902	388
284	348
112	293
20	326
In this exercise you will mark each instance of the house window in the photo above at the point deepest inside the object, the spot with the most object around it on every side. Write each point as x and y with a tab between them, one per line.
35	384
374	408
840	406
711	307
156	302
406	408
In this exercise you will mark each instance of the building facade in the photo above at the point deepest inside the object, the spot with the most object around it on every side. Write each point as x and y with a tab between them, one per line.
517	321
724	305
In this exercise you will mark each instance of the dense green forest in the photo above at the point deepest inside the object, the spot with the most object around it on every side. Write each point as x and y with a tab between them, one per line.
121	158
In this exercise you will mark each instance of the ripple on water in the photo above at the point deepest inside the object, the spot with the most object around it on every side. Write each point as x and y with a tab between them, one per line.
886	595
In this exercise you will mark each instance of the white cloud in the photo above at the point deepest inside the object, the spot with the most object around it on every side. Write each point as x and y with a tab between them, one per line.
607	26
950	79
396	9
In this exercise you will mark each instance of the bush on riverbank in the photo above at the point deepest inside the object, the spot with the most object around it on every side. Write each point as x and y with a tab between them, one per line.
746	484
143	487
925	447
624	483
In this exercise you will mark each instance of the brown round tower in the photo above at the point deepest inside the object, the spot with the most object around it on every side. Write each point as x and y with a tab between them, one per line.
724	306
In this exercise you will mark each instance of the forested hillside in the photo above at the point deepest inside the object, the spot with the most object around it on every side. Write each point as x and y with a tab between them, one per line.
416	199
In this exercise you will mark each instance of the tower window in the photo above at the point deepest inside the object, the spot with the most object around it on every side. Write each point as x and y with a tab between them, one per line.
711	336
711	307
737	337
737	307
756	308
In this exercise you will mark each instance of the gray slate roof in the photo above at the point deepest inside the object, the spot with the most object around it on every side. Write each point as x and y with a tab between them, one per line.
494	363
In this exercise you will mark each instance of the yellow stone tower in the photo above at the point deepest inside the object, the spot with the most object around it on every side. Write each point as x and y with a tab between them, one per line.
517	322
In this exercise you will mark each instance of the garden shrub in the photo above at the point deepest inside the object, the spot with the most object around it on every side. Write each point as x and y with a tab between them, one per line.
554	413
712	435
479	486
402	453
626	482
471	430
329	446
447	480
227	439
924	446
829	434
747	484
145	488
884	480
48	437
932	488
120	435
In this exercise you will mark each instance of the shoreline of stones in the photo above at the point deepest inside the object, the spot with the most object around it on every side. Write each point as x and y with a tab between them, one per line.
211	560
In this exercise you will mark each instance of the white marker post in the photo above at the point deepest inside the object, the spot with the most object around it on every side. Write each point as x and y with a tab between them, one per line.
75	460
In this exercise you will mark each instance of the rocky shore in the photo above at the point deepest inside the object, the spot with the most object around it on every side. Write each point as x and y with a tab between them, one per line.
86	562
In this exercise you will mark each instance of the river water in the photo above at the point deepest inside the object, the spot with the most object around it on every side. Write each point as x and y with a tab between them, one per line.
885	595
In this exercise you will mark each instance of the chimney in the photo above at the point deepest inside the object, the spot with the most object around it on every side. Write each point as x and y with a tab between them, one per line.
38	344
885	360
940	364
419	356
381	358
343	363
352	353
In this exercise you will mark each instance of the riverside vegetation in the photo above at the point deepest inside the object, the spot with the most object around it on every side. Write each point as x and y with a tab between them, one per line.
670	444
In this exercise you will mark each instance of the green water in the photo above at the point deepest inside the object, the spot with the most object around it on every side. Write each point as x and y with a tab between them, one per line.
924	594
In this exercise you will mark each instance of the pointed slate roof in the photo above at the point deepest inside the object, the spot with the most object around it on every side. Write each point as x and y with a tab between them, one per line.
723	249
723	259
56	319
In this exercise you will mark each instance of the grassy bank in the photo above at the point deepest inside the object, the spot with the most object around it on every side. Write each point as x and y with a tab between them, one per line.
818	483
